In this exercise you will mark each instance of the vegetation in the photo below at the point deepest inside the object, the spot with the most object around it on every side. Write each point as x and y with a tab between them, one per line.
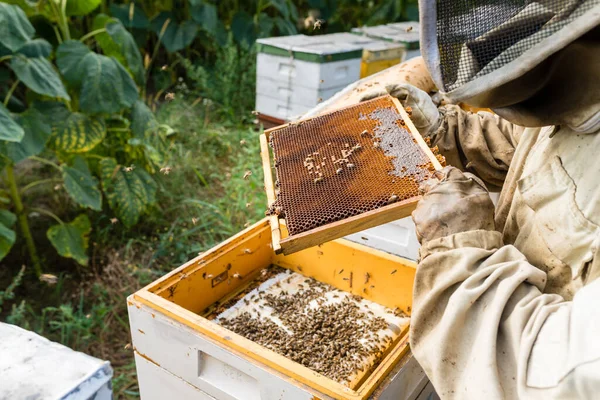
127	146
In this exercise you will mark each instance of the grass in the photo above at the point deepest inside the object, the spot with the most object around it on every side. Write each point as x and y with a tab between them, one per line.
202	200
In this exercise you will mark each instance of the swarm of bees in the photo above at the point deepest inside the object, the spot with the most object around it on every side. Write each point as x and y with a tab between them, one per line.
338	339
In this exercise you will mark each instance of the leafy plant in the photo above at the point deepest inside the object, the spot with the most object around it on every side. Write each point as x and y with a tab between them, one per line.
9	292
83	114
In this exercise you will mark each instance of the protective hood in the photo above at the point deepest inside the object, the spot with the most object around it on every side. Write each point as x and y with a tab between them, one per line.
472	47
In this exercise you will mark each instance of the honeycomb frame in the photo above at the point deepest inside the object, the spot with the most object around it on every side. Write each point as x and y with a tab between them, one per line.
348	177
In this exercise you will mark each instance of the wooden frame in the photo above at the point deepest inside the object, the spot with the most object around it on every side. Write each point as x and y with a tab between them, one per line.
291	244
176	296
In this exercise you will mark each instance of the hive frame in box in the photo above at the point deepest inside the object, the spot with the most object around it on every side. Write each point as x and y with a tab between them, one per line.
165	315
347	226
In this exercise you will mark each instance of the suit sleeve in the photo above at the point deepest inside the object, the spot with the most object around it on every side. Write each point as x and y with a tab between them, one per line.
483	328
481	143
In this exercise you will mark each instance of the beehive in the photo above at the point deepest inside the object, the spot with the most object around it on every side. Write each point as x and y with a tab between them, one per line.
406	33
343	172
176	337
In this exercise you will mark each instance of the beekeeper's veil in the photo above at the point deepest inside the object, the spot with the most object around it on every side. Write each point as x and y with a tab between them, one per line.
473	47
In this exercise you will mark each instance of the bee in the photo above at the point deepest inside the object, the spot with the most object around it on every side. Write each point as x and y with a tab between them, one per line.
165	170
393	198
194	220
209	276
247	251
408	110
170	96
318	179
254	112
393	272
299	268
237	276
375	145
367	276
320	99
340	271
409	29
317	24
350	165
114	221
129	169
248	205
247	174
164	67
242	142
339	170
322	80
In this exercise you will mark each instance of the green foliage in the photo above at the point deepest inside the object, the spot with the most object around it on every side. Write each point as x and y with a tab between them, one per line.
7	234
64	113
9	292
71	239
128	191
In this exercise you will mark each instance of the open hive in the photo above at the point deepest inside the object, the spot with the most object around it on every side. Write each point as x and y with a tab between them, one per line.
343	172
195	324
332	332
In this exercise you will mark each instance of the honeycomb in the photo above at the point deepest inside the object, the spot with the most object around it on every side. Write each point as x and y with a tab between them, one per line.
345	163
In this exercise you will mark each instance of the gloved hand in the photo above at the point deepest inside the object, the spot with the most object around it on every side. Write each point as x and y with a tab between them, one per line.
452	202
425	114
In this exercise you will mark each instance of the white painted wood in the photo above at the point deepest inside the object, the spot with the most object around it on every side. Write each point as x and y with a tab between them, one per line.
294	93
308	74
397	237
279	108
405	384
156	383
203	363
428	393
32	367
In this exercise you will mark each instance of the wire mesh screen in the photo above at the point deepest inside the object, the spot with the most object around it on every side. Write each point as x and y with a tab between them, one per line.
345	163
477	37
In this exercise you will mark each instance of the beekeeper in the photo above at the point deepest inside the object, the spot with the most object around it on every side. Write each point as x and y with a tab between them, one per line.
506	301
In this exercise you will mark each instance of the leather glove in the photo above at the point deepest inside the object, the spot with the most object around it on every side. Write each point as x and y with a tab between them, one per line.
425	114
452	202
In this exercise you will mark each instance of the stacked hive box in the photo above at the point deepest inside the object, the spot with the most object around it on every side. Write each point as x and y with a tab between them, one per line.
295	73
406	33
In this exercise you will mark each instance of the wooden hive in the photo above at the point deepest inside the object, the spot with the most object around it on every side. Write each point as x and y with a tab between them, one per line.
343	172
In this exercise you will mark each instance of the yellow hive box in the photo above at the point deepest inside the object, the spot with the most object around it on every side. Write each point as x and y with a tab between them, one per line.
171	334
368	68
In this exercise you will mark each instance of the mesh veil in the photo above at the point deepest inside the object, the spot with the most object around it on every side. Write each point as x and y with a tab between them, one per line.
477	37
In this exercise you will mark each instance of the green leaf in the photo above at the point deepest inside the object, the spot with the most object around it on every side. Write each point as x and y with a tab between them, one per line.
81	7
130	15
81	185
77	132
15	29
105	86
71	239
37	132
7	235
109	47
127	48
242	28
36	48
9	129
142	120
205	14
69	56
39	75
129	193
176	36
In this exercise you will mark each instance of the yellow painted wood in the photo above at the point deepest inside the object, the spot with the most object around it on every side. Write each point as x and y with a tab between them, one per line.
368	68
185	292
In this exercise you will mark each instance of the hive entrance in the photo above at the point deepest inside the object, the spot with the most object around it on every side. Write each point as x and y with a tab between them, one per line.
344	164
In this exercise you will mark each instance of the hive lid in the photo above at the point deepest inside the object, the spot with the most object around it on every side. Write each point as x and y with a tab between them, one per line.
317	49
343	172
401	32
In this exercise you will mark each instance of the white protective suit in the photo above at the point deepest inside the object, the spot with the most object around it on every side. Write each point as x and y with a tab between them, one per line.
515	312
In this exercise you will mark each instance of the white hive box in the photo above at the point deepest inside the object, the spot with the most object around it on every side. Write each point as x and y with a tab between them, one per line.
32	367
397	237
180	354
406	33
295	73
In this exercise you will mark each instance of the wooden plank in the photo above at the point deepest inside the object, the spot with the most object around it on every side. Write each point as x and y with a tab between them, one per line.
268	174
349	225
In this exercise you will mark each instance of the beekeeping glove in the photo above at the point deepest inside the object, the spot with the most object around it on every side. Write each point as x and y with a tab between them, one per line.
452	202
424	113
